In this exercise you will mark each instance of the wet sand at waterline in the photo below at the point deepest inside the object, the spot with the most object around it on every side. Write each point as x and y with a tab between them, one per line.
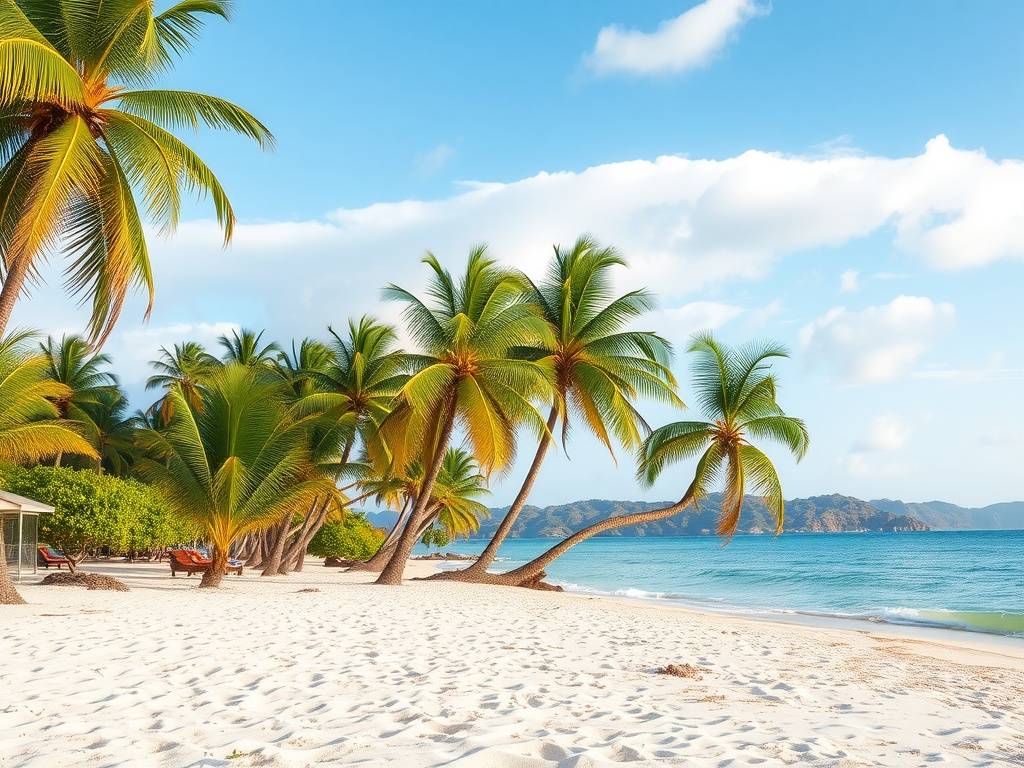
258	673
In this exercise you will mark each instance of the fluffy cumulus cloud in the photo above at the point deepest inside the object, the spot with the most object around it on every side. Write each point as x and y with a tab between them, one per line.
877	343
684	224
686	42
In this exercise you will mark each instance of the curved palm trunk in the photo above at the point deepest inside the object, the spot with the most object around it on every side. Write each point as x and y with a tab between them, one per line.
392	573
483	562
8	593
215	574
534	569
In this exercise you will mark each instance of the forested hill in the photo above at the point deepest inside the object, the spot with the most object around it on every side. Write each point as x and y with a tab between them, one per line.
826	514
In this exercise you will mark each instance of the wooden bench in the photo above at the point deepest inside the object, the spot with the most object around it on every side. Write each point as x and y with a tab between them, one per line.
188	561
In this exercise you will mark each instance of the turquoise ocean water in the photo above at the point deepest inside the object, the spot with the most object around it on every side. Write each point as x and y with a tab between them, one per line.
969	580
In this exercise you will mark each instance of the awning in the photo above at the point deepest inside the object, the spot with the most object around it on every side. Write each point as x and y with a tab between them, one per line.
12	502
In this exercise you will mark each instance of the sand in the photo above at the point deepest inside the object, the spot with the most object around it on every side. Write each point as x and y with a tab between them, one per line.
259	673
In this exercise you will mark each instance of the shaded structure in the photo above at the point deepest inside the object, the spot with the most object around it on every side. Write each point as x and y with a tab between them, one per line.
20	518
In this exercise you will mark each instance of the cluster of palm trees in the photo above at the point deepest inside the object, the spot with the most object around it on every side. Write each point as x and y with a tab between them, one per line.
261	444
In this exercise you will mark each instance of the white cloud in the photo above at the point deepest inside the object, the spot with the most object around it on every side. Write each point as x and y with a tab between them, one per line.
874	453
849	281
877	343
429	163
677	324
684	224
886	433
685	42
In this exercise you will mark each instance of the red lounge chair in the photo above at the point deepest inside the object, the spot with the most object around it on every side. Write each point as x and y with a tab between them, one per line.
49	556
188	561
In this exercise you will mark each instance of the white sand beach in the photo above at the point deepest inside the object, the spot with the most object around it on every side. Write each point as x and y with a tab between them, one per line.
259	673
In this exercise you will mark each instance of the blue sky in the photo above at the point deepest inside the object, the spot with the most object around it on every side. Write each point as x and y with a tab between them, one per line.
843	176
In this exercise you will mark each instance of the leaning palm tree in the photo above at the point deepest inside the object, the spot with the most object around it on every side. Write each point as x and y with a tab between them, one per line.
31	429
82	135
465	375
235	466
736	391
185	366
73	363
601	366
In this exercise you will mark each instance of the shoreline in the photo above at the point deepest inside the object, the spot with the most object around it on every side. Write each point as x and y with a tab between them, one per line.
437	673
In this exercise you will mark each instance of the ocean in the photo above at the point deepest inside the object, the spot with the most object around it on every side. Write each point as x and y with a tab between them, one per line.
964	580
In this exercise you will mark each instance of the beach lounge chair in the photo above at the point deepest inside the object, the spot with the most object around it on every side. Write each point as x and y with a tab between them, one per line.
188	561
49	556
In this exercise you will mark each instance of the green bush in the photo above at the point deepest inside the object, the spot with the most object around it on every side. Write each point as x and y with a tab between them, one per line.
93	510
436	537
351	538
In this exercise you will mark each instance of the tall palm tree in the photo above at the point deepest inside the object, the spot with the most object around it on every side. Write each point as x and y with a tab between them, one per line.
112	432
353	385
31	429
237	465
82	134
601	366
185	366
243	347
464	374
736	391
73	363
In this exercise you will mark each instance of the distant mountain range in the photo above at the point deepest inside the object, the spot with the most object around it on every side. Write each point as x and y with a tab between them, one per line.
817	514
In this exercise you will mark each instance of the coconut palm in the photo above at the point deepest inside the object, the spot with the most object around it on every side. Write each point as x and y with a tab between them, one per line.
73	363
31	429
243	347
235	466
185	366
352	382
736	391
454	504
464	374
112	432
601	365
82	134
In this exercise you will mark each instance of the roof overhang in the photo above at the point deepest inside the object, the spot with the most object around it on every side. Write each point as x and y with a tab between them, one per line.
13	503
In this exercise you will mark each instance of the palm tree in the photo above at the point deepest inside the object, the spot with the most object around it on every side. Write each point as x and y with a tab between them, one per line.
237	465
31	429
243	347
112	432
353	384
464	374
736	391
601	367
73	363
186	366
454	504
81	134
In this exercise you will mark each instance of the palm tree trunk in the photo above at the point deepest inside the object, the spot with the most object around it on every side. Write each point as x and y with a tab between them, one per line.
534	569
280	533
8	593
392	573
482	563
215	574
13	283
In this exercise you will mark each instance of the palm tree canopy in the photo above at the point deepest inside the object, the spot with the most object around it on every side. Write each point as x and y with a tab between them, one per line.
186	366
601	365
240	462
84	136
456	496
736	390
464	369
72	362
31	429
244	347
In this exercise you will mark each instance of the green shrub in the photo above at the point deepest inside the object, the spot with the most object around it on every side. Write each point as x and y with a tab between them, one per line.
93	510
351	538
436	536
